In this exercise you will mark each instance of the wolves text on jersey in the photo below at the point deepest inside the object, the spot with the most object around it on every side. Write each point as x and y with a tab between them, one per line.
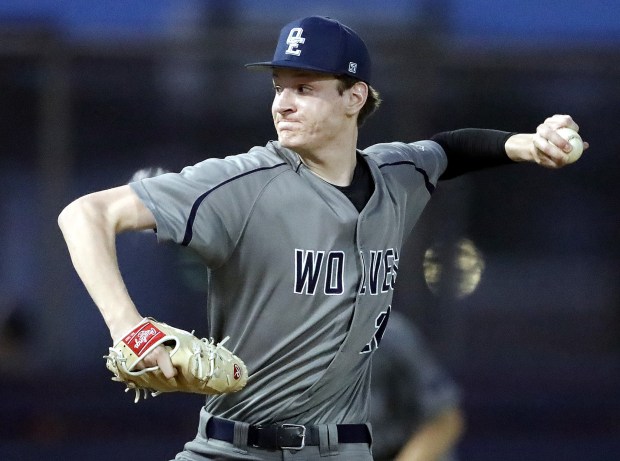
324	270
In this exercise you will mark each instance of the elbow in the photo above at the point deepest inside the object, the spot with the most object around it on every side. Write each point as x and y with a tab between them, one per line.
67	215
75	214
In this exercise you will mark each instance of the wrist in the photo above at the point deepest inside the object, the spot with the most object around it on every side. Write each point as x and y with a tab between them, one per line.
519	147
122	327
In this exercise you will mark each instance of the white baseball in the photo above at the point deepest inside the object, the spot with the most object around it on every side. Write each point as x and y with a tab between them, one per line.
575	141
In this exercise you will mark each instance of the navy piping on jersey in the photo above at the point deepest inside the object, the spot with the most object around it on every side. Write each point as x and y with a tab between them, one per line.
192	215
430	187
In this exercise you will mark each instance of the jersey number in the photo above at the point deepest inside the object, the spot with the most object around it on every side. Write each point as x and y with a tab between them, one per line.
380	324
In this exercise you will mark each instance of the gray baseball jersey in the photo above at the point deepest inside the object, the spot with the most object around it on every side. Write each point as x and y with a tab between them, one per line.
300	281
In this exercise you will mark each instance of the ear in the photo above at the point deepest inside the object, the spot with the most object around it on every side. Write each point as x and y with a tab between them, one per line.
358	94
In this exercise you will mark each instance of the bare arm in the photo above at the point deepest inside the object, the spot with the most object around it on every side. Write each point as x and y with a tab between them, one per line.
434	439
90	225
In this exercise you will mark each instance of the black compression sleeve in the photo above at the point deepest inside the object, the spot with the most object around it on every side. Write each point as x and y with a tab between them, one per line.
472	149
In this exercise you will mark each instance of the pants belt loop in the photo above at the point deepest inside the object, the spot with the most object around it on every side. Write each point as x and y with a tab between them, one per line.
323	440
332	431
240	436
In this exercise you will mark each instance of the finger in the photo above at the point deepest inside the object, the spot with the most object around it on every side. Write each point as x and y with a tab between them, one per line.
539	146
536	155
544	150
159	358
165	363
548	155
550	142
561	120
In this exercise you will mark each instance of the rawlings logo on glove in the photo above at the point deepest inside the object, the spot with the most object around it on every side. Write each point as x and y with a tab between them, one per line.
203	367
143	336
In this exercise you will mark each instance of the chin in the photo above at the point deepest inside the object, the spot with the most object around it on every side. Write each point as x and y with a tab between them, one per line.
286	141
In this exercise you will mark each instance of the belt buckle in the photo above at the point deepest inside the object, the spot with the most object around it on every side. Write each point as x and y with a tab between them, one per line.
302	435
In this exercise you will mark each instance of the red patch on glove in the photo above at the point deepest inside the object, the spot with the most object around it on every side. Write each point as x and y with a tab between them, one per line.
141	338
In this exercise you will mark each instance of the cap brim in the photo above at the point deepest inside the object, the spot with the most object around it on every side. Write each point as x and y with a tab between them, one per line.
287	65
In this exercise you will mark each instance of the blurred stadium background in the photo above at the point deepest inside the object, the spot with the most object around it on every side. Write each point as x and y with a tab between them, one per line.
90	92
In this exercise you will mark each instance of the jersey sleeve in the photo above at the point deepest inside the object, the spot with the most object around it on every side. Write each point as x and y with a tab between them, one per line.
410	172
206	205
427	157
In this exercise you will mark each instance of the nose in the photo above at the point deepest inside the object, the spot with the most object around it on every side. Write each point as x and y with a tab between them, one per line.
284	101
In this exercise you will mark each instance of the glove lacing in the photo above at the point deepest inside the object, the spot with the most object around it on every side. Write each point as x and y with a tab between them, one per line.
197	355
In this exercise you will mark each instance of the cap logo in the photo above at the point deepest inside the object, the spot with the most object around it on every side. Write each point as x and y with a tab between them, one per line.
353	67
294	40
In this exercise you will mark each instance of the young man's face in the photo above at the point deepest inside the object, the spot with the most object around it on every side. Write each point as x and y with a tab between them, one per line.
309	113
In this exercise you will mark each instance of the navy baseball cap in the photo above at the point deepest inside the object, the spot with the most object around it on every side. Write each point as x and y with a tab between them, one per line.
320	44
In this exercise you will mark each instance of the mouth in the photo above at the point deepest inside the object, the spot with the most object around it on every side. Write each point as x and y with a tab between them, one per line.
286	125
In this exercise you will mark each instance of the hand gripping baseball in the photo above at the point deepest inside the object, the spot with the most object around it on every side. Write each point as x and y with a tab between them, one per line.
202	366
553	144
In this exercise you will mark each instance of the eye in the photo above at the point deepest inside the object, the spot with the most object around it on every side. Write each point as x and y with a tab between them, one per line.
304	89
277	89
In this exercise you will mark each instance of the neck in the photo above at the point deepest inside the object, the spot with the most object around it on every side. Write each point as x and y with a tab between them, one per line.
334	165
338	172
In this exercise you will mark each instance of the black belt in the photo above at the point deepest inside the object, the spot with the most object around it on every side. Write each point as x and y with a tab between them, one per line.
285	436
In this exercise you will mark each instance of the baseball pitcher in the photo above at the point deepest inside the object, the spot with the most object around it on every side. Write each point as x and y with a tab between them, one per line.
302	238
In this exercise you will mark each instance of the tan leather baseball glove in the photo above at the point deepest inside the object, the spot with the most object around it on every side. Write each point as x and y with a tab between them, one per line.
203	367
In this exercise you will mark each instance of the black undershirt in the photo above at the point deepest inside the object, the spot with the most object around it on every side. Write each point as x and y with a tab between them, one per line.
469	149
362	186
